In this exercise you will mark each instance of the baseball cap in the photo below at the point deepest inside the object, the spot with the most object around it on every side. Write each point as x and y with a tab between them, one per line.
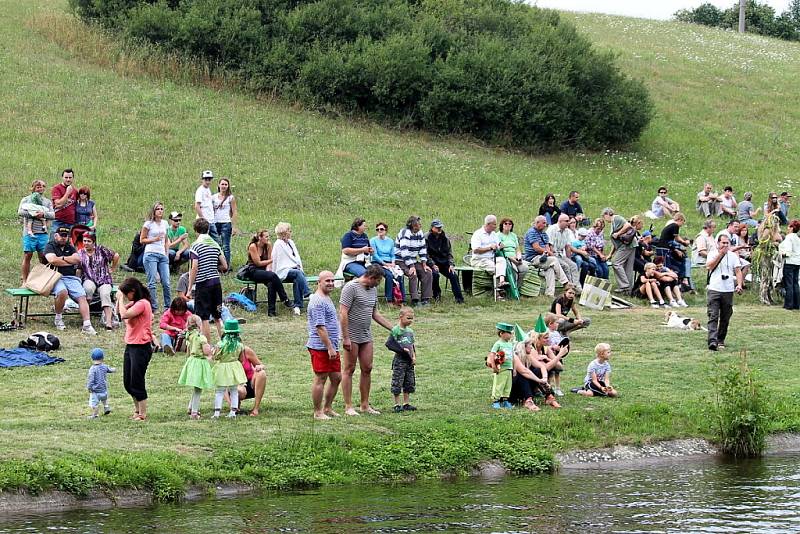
647	233
63	231
208	174
583	232
437	223
785	194
176	215
97	354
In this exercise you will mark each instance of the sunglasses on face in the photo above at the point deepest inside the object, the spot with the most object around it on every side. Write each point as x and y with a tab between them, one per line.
380	229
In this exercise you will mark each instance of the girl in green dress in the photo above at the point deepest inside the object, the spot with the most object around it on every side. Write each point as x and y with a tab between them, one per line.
228	371
196	372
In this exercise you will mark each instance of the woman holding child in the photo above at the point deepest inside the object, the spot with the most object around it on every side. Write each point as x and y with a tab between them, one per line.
533	359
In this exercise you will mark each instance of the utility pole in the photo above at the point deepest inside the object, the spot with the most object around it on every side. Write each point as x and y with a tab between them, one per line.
741	15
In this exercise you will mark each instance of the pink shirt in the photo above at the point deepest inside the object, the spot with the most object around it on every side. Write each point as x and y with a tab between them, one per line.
137	329
177	321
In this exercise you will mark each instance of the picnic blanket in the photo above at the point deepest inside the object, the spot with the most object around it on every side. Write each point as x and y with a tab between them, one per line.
25	357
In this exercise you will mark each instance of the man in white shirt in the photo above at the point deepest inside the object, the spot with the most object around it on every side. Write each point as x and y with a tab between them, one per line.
484	244
705	243
561	238
204	205
708	202
722	266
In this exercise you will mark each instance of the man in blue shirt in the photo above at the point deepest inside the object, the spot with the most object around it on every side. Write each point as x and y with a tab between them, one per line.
572	207
539	254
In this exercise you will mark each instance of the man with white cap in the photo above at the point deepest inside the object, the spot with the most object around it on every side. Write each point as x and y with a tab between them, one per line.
204	204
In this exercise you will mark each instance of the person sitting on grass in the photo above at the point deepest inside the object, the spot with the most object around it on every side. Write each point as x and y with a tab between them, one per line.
550	357
256	374
530	377
499	360
97	385
668	279
172	323
177	241
663	205
196	372
555	338
649	286
598	374
401	342
561	308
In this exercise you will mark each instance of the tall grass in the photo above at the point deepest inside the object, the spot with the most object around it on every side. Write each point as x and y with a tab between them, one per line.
743	410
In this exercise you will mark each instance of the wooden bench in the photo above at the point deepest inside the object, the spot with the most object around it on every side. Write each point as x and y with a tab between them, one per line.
22	310
311	279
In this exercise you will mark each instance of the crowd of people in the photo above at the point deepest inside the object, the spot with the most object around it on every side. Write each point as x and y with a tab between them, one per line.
562	244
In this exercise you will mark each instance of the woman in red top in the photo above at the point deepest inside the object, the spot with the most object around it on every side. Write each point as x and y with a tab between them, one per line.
138	316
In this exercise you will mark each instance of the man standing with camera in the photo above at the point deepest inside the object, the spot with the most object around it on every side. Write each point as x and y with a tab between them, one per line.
722	265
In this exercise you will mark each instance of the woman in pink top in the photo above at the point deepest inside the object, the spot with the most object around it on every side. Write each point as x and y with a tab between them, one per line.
172	323
138	315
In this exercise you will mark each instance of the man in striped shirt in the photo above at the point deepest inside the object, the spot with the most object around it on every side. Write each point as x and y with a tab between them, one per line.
207	260
412	257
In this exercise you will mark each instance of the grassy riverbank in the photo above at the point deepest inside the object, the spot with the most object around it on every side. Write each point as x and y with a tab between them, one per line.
727	111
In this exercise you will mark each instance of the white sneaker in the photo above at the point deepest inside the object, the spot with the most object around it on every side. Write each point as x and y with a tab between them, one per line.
682	304
60	324
558	392
88	330
674	304
654	304
296	310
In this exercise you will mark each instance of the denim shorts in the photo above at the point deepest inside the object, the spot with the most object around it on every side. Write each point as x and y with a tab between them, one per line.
35	242
97	398
72	285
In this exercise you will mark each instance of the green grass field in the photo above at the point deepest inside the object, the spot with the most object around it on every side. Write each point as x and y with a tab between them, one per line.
727	111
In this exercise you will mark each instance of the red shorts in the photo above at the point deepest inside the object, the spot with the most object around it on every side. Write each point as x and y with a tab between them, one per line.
322	363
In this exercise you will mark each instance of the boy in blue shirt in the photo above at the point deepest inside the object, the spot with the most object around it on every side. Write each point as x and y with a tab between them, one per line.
97	385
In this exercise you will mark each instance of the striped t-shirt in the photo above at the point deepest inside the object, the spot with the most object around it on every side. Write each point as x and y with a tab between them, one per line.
206	252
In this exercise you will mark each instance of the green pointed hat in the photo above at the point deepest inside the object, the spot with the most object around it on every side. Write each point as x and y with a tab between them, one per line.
505	327
540	326
231	326
519	333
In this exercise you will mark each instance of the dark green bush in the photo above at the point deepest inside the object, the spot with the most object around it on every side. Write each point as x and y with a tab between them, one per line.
498	70
759	18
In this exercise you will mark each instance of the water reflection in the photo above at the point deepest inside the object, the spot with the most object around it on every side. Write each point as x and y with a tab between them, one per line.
690	496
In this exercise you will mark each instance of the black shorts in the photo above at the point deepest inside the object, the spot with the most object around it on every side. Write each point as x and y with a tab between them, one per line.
251	392
208	302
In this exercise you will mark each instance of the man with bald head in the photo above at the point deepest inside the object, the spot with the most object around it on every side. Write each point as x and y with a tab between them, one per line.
485	244
539	254
323	345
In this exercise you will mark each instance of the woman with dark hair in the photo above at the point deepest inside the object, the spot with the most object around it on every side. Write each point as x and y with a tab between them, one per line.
154	238
356	249
549	209
225	216
97	265
138	316
512	250
259	258
85	209
790	250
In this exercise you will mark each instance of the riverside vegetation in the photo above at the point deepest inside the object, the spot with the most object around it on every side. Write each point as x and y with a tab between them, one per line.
137	129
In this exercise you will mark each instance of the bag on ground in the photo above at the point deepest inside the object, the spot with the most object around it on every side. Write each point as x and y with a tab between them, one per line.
41	341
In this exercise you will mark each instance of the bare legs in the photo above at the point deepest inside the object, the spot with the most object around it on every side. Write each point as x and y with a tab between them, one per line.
361	353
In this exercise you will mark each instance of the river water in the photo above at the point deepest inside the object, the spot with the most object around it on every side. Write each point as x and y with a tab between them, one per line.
689	495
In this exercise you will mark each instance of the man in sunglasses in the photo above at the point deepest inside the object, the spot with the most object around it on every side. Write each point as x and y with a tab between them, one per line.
204	204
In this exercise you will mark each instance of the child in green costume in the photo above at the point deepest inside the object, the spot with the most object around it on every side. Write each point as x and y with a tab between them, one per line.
196	372
228	371
501	360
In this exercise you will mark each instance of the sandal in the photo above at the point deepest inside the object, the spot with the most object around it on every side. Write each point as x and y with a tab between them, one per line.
140	417
134	416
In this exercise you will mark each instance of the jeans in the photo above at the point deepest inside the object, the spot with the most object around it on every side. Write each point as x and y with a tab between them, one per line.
586	266
212	232
601	268
224	231
720	309
444	270
166	340
356	268
388	284
156	262
173	256
300	287
791	299
274	287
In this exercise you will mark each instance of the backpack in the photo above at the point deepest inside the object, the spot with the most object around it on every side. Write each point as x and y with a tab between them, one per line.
41	341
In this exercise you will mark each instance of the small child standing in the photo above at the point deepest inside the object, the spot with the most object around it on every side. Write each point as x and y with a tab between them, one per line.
598	375
401	342
97	385
228	371
500	360
196	372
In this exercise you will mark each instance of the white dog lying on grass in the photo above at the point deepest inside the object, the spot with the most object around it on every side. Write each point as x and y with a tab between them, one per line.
682	323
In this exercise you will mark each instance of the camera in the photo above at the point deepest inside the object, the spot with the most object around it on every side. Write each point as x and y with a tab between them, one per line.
543	259
725	276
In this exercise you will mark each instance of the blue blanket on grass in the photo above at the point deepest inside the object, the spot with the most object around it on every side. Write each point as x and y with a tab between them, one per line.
25	357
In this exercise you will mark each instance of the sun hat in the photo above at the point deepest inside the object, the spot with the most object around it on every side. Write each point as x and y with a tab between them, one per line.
437	223
231	326
97	354
505	327
208	174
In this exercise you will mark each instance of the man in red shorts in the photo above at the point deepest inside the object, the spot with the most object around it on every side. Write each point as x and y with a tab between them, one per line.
323	345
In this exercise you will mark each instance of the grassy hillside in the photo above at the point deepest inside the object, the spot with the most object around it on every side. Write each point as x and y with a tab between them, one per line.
727	112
